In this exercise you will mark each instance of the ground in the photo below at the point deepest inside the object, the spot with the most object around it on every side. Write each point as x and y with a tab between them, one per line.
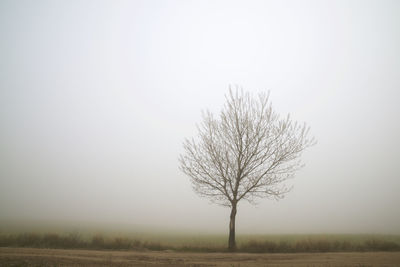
63	257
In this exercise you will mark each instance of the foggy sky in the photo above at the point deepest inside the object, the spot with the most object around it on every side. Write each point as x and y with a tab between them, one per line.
96	98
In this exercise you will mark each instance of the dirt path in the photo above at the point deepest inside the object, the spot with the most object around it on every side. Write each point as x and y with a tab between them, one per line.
60	257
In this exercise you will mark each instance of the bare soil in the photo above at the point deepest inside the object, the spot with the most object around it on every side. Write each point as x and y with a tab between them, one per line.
63	257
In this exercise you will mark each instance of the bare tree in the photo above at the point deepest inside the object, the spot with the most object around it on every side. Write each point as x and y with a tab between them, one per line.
245	153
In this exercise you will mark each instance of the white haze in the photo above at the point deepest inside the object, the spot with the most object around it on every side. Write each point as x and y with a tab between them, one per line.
96	98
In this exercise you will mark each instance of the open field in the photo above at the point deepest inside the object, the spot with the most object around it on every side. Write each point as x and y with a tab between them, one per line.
204	243
55	257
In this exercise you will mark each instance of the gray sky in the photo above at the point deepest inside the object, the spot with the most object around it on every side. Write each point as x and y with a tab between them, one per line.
96	98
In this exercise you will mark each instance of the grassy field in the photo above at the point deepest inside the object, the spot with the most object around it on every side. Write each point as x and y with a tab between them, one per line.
61	257
204	243
182	249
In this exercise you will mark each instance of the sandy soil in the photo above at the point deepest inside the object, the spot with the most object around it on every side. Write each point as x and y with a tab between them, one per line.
60	257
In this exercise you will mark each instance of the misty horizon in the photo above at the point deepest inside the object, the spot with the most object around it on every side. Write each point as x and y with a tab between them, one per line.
96	99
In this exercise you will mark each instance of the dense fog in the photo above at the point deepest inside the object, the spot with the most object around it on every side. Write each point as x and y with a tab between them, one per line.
97	97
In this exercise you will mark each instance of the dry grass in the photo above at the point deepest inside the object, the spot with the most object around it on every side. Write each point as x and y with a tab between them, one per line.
253	244
61	257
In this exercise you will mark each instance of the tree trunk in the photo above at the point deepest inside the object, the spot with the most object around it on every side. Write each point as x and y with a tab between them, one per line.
232	240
